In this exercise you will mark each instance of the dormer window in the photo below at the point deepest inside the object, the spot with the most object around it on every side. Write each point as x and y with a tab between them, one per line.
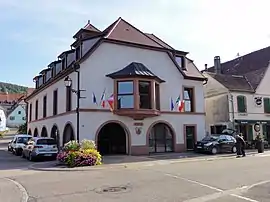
136	92
58	67
63	63
180	61
44	77
78	53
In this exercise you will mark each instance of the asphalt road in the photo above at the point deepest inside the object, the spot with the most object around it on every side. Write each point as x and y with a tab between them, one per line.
215	180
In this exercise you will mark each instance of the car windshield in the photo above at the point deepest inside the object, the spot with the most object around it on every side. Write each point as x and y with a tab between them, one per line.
210	138
23	139
46	142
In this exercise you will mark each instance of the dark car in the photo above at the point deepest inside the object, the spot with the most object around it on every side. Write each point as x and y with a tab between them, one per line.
216	144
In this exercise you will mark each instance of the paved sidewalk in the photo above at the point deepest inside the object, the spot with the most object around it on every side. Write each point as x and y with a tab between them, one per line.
11	192
114	162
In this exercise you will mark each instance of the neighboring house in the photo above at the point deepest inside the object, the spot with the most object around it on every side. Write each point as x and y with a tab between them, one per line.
137	74
2	120
237	94
8	100
17	116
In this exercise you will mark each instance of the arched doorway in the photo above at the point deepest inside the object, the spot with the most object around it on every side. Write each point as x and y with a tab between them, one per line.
161	139
68	134
55	135
35	132
29	132
44	132
112	139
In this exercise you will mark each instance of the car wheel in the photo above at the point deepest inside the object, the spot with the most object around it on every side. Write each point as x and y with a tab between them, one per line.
234	150
23	156
214	150
16	152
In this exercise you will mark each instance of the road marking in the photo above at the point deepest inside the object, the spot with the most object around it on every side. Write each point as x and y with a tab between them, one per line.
221	192
244	198
25	196
195	182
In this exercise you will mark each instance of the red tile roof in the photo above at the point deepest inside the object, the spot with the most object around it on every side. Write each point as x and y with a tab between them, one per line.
123	31
10	96
158	40
91	27
253	66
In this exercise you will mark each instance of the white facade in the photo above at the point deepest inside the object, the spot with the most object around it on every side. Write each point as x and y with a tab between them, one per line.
222	109
17	117
106	59
2	120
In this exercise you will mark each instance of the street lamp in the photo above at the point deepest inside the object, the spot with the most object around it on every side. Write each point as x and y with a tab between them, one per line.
68	81
68	84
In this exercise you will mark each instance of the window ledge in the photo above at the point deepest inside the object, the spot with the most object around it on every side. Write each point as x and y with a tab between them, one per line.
137	114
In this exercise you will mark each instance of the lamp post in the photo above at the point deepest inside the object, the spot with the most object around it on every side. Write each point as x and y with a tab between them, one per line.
68	84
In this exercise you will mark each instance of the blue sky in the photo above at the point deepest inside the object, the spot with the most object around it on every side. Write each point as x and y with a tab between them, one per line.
34	32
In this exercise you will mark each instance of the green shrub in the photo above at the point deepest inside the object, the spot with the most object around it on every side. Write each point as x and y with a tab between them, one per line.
87	144
22	129
72	146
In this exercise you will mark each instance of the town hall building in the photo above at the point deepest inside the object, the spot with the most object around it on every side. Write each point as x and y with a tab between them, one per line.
127	90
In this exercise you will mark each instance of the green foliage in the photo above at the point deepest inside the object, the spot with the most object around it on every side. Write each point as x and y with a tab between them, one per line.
87	144
22	129
12	88
72	146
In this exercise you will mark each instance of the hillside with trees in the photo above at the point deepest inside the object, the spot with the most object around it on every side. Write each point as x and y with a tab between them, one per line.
12	88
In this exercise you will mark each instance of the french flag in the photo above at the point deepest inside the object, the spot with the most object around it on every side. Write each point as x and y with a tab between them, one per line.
111	102
102	99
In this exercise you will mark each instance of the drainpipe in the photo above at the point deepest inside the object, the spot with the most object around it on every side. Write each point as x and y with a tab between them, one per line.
232	107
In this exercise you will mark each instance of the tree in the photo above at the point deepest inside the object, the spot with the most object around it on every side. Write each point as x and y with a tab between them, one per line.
22	129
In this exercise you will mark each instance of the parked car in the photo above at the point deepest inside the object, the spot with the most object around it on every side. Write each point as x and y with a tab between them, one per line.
16	145
40	147
216	144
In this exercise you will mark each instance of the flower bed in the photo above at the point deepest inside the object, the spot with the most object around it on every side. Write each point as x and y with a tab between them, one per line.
76	154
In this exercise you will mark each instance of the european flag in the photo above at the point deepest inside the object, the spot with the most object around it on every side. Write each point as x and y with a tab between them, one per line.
94	99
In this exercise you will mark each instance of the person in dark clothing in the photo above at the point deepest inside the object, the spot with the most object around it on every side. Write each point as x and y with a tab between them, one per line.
240	145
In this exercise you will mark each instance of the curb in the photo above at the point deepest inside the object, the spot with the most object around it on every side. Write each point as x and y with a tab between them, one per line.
86	168
132	164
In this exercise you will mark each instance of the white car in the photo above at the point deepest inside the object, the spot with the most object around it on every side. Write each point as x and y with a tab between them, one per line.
16	145
40	147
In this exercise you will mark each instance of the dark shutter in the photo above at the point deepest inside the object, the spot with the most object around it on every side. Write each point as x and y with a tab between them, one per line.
44	106
68	98
55	102
266	104
241	104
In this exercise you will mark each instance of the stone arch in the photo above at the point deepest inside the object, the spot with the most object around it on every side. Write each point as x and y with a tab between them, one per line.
44	132
36	132
162	132
55	134
68	133
125	129
29	131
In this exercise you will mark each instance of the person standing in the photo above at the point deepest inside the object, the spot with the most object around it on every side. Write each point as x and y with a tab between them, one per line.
240	145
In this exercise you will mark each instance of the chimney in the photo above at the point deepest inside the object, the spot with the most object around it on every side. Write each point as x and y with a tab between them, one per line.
217	65
205	67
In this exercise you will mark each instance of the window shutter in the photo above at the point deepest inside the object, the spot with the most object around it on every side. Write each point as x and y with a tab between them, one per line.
266	103
241	103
